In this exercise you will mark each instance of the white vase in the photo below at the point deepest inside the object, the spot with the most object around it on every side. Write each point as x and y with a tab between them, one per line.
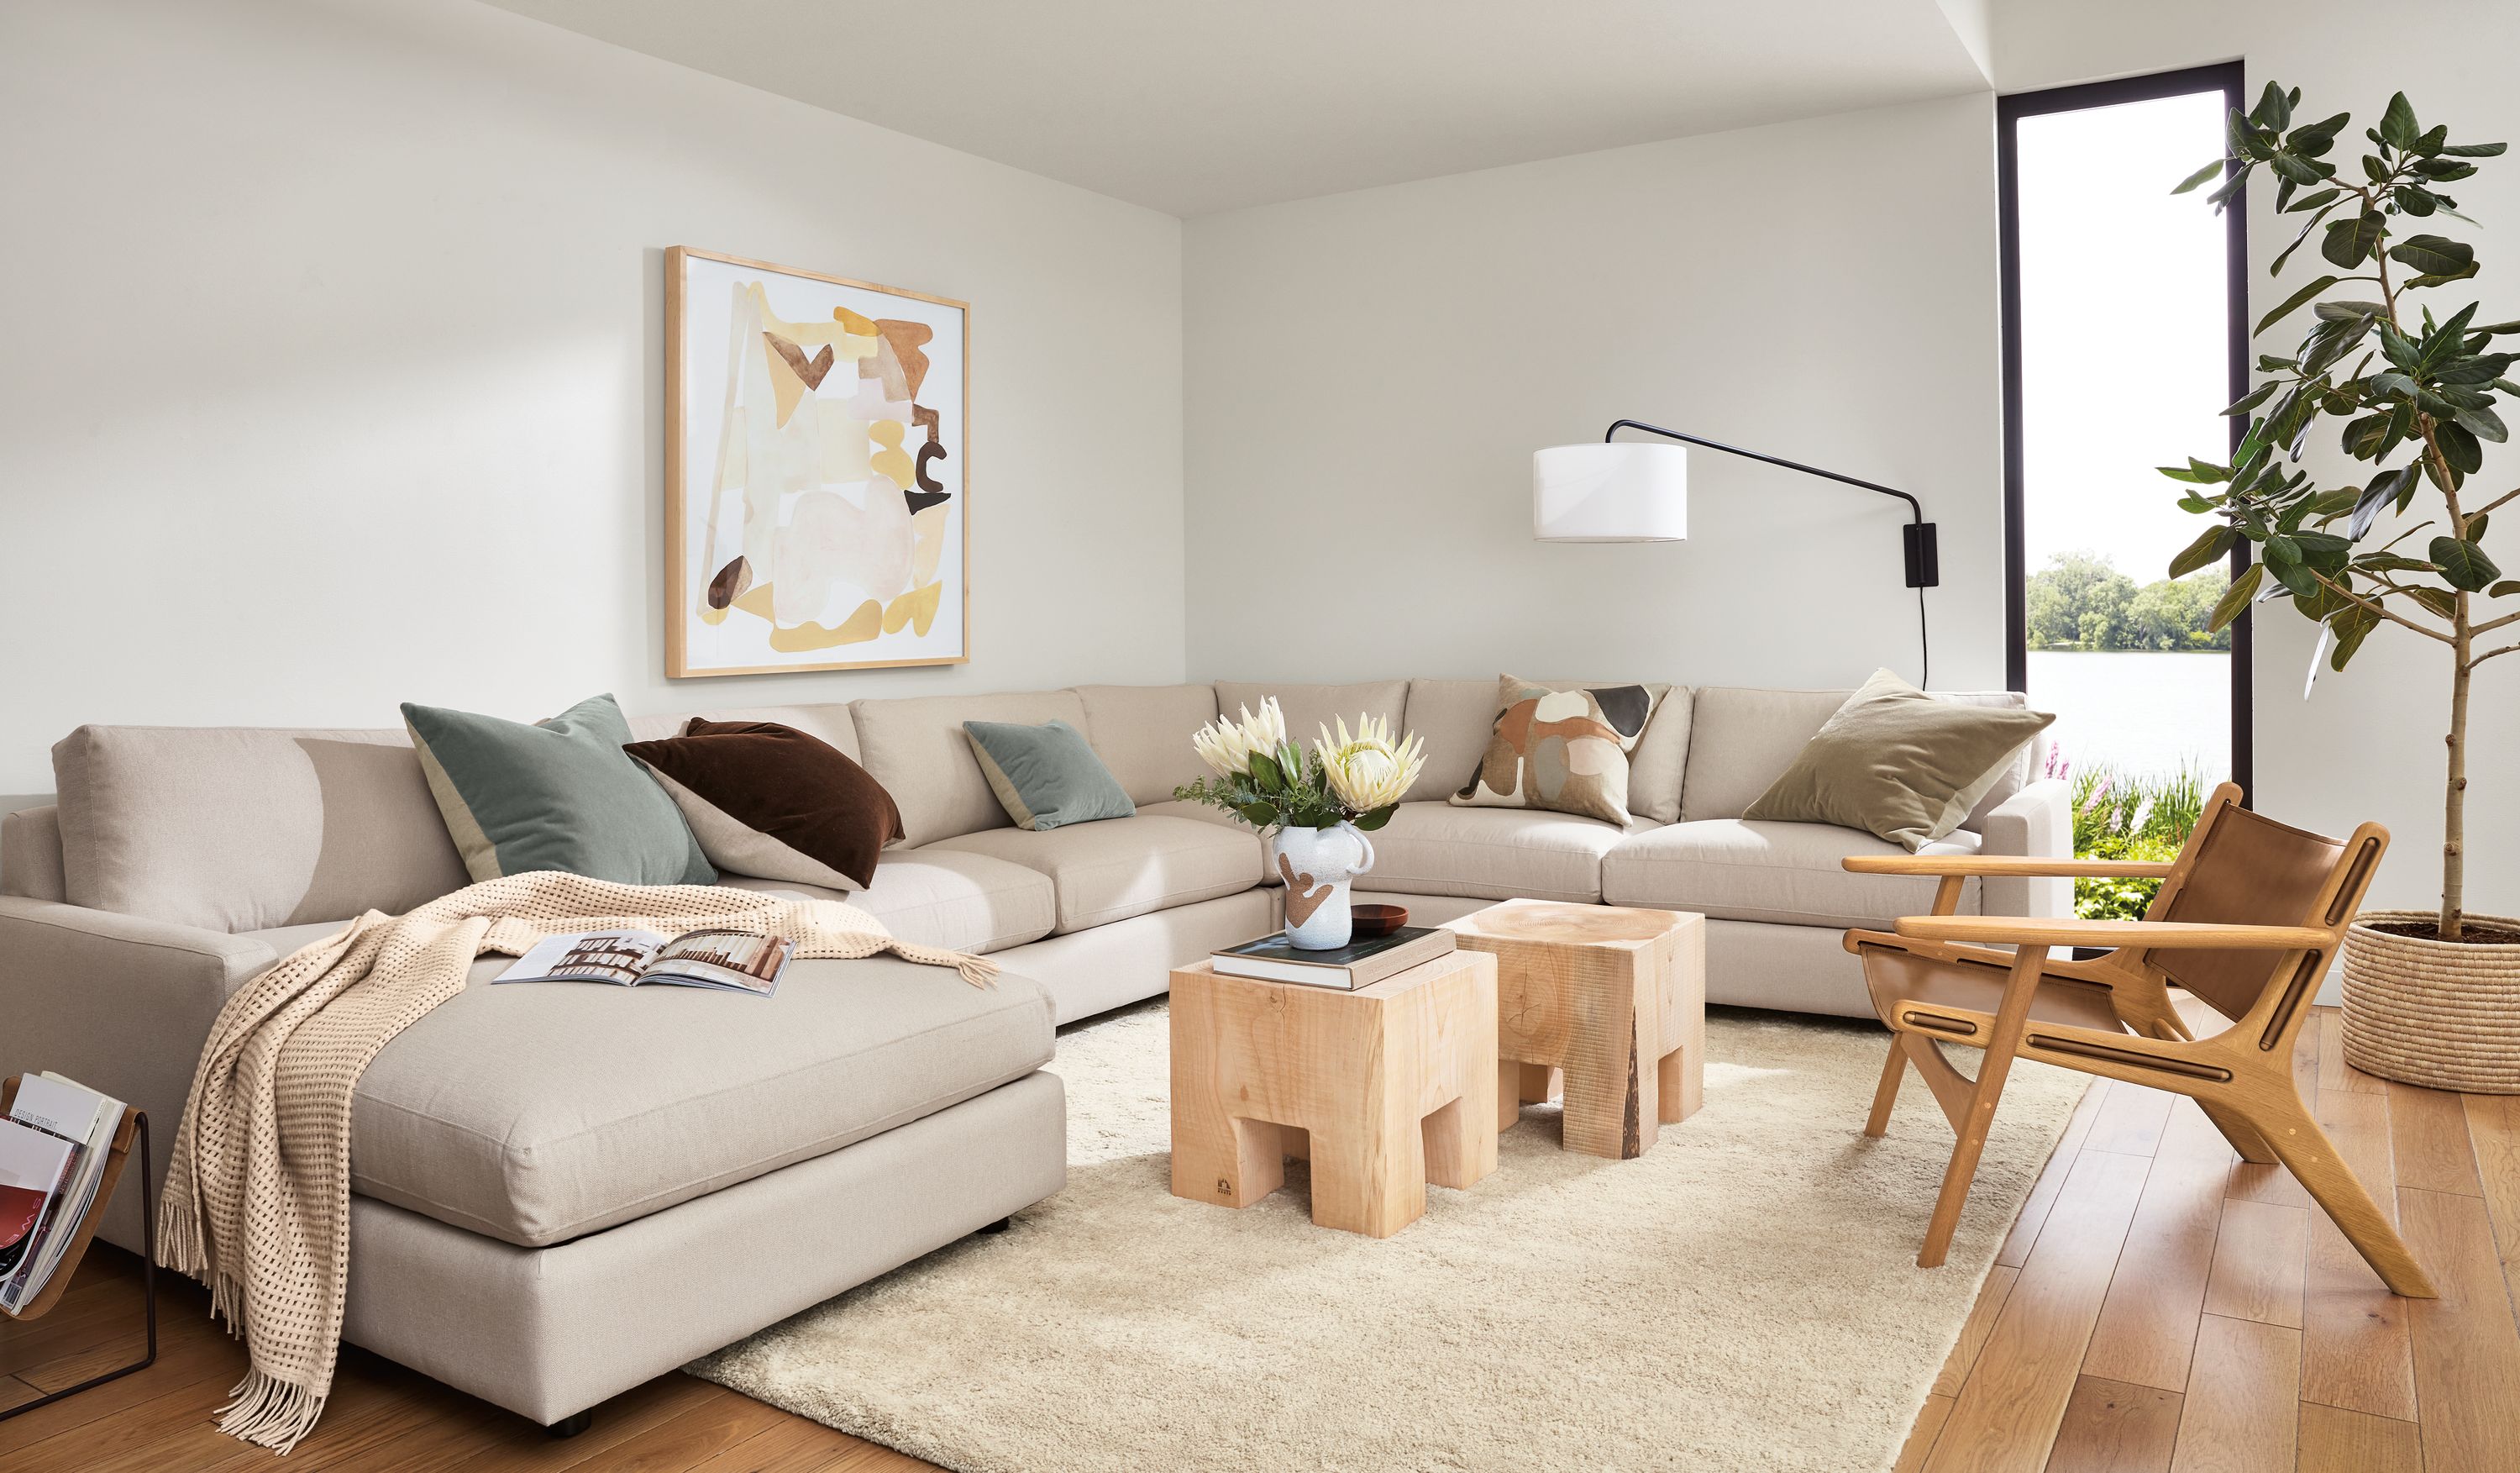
1315	865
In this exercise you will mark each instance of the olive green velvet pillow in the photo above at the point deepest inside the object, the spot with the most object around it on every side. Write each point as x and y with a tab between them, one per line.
1899	763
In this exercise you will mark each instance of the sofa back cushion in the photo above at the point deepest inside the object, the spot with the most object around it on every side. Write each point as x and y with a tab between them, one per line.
245	829
915	748
30	855
1742	740
1142	733
831	723
1455	718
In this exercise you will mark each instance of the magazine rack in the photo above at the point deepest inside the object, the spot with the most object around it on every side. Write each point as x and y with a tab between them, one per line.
134	1128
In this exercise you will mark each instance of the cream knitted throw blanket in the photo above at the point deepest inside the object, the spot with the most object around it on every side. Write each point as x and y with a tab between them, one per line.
257	1194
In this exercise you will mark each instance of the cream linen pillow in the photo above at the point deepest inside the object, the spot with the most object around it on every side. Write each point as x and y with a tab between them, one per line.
1899	763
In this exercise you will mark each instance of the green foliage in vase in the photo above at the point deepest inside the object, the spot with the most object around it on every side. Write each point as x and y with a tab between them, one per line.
2392	376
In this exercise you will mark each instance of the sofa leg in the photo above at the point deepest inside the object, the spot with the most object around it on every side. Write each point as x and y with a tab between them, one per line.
999	1225
571	1426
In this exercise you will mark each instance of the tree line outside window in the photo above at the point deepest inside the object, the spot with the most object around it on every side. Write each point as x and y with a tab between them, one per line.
2080	601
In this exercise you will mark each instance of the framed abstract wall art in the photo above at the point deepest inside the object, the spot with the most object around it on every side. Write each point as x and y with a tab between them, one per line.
816	438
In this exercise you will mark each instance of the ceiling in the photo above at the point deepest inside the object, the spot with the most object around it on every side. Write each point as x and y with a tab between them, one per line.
1193	107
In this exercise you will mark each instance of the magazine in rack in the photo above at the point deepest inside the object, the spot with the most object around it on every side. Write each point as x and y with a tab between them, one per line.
55	1144
727	959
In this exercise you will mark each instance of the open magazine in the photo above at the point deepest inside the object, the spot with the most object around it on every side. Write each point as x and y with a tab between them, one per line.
54	1146
736	961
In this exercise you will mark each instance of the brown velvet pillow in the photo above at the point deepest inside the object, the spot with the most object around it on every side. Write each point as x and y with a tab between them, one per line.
771	801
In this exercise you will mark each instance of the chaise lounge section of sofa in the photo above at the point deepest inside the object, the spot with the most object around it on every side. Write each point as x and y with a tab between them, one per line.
545	1181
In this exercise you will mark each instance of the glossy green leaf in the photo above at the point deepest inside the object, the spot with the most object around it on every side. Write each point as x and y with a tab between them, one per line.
2484	424
2432	254
2349	243
2235	599
2459	448
2208	548
2398	127
2192	181
2463	565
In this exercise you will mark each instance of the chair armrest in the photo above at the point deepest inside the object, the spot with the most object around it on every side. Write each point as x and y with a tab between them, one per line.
118	1002
2022	930
2063	866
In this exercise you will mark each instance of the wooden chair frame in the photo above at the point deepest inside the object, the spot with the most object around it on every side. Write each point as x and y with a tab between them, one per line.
2240	1077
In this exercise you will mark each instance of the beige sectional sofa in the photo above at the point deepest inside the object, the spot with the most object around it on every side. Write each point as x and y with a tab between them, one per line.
559	1192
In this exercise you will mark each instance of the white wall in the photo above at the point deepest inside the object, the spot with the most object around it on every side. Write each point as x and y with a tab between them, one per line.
1368	375
2367	744
331	373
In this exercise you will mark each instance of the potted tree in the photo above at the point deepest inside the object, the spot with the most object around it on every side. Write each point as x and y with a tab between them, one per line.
2431	997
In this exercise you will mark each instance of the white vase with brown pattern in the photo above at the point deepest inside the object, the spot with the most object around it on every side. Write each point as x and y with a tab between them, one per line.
1315	865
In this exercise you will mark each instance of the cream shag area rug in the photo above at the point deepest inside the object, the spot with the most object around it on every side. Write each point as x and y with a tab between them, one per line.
1744	1296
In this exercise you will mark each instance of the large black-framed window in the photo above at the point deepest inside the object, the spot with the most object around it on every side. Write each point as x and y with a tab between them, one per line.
2229	78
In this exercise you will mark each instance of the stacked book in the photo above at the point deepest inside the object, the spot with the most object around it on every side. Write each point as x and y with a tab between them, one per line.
54	1146
1361	963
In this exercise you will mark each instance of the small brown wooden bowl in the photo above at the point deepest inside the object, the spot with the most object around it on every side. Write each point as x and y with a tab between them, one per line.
1377	920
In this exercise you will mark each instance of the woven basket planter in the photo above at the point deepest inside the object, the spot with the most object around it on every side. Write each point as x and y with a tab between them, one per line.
2441	1014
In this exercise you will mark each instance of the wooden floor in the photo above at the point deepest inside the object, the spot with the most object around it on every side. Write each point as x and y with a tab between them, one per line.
2160	1305
2163	1304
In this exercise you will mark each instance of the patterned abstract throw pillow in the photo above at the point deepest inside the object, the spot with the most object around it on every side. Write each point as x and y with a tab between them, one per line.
1565	750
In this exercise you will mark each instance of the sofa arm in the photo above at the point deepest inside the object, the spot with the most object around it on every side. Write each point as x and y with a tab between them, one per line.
119	1002
2036	822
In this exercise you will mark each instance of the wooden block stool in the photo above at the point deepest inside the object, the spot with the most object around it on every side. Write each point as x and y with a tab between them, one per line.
1613	998
1386	1089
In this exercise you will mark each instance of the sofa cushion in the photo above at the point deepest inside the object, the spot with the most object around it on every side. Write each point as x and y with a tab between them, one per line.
941	898
1741	741
1142	733
30	853
234	828
538	1114
1455	718
915	748
827	722
1310	708
1121	867
1735	869
1495	853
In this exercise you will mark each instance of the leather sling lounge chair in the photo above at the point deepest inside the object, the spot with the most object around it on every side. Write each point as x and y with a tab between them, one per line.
2248	917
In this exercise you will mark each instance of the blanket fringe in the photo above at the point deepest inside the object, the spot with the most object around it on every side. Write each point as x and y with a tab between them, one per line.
270	1413
179	1240
978	971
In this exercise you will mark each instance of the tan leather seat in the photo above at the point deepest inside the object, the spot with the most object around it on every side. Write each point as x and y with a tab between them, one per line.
1898	978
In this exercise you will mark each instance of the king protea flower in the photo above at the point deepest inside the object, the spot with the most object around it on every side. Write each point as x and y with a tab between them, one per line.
1226	745
1369	771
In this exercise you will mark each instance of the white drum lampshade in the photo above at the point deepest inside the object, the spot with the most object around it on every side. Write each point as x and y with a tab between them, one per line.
1610	492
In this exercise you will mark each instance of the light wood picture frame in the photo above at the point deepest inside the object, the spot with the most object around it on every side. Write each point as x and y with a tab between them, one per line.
817	470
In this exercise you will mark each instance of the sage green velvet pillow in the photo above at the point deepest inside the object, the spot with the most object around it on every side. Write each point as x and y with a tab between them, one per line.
555	795
1045	776
1897	762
